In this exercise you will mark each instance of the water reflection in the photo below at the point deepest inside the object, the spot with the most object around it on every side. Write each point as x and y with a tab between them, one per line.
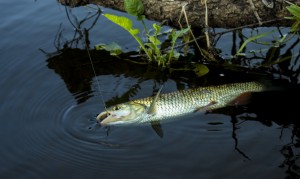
272	110
266	108
49	103
291	152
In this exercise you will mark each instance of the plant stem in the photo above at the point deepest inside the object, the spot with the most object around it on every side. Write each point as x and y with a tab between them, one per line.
142	46
145	27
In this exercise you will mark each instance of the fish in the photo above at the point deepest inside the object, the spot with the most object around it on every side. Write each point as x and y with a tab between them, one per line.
165	107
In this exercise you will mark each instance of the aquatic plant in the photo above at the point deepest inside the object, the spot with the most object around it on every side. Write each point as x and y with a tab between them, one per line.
295	12
163	53
152	45
253	38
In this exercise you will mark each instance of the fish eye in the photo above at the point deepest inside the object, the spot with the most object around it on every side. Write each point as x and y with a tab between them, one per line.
117	108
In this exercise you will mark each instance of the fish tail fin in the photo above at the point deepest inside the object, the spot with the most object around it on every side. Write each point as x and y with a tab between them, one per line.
267	86
273	85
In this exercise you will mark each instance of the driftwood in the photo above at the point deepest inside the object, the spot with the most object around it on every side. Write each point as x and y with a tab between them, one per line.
221	13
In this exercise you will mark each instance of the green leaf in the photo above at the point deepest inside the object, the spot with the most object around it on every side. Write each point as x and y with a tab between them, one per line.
141	18
134	31
127	25
134	7
151	45
113	48
154	40
294	10
123	22
179	33
157	28
200	69
295	26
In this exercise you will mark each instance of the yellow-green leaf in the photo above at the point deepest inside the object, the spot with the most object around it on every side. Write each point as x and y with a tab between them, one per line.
120	20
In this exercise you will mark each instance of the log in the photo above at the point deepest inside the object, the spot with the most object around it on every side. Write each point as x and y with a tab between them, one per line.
221	13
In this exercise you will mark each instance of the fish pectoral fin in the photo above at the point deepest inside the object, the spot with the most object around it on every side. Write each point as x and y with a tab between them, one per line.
157	128
206	107
242	99
152	108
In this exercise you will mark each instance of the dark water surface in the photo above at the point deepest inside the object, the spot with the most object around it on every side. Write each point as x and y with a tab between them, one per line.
49	103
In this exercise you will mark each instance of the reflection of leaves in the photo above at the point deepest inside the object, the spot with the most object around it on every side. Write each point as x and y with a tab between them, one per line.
272	55
133	90
285	60
247	117
184	68
200	69
125	97
253	38
291	153
215	123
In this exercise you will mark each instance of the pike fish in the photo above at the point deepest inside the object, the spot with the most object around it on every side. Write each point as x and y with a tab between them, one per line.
163	107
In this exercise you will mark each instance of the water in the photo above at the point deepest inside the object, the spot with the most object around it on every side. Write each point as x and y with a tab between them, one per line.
50	100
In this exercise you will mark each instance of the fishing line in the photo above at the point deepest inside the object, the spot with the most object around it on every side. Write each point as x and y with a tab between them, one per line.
83	34
94	71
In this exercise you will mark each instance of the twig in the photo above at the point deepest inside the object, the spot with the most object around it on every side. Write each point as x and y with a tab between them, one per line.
255	12
187	22
229	30
206	24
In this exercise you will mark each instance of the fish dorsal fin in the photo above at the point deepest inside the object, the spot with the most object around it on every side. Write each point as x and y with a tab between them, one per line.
157	128
152	108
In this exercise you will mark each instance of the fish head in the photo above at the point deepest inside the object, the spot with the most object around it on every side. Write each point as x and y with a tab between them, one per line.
122	114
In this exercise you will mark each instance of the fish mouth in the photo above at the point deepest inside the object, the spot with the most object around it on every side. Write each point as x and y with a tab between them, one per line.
106	118
102	116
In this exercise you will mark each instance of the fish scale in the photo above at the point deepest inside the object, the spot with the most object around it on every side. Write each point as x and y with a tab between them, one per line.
175	104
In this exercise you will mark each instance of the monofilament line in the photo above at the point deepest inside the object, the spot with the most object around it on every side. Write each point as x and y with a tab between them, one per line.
94	71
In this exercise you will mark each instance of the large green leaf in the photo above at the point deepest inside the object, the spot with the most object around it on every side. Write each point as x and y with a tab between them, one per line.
134	7
123	22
